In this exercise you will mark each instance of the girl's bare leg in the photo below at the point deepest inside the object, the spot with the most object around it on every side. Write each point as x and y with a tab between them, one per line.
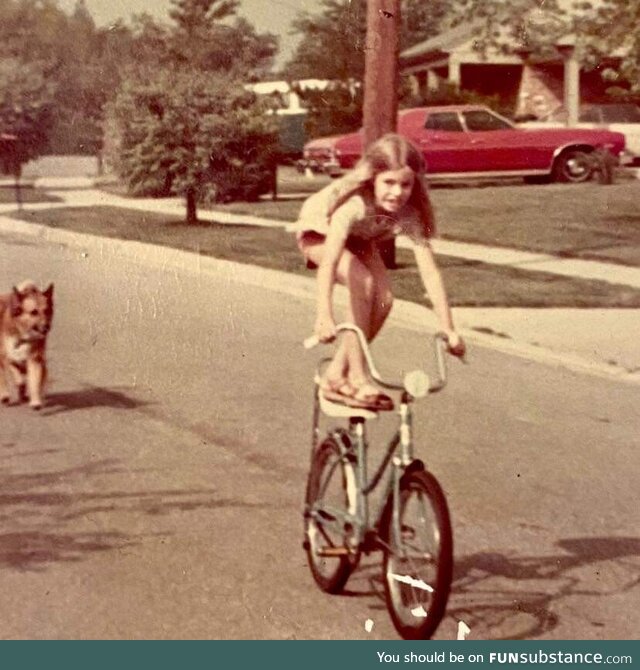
383	297
348	361
377	289
357	277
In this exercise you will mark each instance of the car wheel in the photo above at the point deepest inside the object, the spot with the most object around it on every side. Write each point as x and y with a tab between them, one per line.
574	166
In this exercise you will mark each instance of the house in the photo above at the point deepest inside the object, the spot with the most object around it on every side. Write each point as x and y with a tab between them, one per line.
532	87
284	101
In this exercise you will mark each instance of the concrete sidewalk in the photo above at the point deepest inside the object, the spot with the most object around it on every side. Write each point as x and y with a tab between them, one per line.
530	261
599	341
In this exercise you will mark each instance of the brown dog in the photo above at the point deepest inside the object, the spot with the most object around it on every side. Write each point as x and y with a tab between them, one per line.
25	321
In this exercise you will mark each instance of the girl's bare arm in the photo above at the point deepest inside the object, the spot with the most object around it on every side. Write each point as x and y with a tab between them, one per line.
325	328
434	286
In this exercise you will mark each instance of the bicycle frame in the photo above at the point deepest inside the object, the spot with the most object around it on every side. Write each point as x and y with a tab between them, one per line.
399	457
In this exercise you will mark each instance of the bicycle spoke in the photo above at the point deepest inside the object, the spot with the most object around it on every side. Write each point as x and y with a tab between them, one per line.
417	564
328	501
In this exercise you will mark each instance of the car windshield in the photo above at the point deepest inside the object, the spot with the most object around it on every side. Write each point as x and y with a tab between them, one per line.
481	120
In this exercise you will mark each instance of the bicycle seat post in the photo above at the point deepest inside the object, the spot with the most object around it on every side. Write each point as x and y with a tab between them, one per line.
406	430
315	422
358	431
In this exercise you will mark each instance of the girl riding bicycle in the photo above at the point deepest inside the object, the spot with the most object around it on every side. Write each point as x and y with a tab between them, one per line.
339	230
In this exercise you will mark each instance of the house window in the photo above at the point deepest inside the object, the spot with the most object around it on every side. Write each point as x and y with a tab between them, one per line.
448	121
480	120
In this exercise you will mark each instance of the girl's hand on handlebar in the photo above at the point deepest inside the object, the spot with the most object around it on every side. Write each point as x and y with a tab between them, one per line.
325	329
455	344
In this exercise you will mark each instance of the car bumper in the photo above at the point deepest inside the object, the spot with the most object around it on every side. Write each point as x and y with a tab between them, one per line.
319	166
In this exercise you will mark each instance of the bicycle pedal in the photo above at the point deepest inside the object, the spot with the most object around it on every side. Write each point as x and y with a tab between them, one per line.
333	552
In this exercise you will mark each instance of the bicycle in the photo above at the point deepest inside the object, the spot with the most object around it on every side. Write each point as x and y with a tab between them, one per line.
411	524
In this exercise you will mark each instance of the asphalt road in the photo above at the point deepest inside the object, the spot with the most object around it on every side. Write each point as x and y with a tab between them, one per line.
159	492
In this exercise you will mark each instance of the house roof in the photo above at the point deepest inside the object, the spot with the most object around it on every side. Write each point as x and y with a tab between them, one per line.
445	42
441	108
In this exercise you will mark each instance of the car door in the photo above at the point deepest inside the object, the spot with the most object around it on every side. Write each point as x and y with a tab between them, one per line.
441	139
494	144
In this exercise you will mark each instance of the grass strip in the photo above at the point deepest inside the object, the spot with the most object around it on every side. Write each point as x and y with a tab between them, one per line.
586	221
28	194
469	283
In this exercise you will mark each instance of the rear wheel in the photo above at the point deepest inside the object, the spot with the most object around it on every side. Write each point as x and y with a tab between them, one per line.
331	496
574	166
418	563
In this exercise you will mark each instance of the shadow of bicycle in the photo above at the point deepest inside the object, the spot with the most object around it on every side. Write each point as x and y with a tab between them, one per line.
515	597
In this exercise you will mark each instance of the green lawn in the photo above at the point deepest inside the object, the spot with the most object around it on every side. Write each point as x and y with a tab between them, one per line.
588	221
469	283
27	194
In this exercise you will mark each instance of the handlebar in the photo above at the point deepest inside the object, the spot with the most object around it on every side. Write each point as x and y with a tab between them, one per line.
441	341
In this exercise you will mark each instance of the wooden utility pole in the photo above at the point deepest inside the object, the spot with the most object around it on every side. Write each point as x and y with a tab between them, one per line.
380	106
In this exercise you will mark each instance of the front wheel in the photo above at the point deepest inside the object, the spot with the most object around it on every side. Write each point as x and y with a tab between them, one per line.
418	562
574	166
330	506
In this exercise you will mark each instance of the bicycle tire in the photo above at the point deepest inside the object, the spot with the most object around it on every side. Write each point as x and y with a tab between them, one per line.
331	478
417	584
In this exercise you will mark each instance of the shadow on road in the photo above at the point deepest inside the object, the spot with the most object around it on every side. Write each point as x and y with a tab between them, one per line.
89	397
516	597
44	515
33	550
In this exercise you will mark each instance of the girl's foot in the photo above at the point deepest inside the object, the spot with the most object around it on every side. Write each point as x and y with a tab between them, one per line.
344	392
367	393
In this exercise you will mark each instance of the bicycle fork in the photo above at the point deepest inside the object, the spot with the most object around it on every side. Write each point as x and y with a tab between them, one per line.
403	461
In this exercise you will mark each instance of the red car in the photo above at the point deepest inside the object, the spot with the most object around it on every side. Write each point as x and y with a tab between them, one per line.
319	156
471	141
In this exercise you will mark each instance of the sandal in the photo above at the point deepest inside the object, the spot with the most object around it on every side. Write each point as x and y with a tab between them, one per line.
344	392
369	394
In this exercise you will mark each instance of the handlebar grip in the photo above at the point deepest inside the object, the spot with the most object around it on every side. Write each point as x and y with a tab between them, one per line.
311	342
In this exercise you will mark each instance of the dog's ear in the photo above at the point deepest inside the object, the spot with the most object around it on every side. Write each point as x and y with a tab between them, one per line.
15	302
49	293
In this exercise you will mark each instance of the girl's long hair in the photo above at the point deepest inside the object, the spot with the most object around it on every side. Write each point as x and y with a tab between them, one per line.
390	152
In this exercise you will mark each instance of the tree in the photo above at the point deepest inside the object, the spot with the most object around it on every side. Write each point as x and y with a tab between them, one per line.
28	61
206	38
32	31
76	58
612	28
333	40
607	32
26	101
183	120
422	20
534	24
193	133
82	88
342	25
332	110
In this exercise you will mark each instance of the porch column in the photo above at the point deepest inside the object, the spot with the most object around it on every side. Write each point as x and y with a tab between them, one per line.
432	80
568	51
454	71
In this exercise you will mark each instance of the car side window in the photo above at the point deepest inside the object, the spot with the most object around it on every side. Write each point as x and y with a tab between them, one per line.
479	120
448	121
